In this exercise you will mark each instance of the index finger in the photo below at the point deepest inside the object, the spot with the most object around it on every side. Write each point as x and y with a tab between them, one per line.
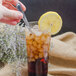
23	6
14	2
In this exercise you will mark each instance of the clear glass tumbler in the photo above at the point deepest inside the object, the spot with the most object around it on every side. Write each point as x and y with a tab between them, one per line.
38	46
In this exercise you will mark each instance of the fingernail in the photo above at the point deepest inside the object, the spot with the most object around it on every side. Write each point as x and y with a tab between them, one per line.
20	16
18	21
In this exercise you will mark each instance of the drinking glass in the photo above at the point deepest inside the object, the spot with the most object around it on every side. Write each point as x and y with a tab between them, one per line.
38	46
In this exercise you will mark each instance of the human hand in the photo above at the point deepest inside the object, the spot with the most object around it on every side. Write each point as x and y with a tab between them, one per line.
8	13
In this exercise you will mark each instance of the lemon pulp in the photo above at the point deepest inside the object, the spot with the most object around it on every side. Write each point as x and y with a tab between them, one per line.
50	22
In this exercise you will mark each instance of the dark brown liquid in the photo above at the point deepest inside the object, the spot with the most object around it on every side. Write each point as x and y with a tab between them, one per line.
38	68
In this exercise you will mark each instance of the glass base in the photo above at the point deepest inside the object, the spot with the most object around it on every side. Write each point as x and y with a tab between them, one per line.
38	67
34	74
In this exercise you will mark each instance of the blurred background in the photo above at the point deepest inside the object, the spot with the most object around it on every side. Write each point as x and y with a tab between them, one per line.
66	8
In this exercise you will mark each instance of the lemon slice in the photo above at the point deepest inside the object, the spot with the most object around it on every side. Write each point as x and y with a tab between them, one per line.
51	22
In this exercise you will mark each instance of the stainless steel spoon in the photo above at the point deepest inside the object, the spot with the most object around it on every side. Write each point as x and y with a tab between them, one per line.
19	8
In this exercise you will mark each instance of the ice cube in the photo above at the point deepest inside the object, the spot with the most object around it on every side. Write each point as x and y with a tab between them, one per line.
35	27
36	32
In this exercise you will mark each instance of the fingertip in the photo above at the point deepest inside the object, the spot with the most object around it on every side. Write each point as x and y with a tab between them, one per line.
24	9
20	15
23	6
13	23
18	21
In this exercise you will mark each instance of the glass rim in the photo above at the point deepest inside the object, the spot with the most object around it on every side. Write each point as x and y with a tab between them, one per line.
33	23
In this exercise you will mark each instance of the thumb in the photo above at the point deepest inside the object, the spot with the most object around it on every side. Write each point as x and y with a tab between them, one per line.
12	14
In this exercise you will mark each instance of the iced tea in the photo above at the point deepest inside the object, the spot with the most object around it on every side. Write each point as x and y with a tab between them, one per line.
37	51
